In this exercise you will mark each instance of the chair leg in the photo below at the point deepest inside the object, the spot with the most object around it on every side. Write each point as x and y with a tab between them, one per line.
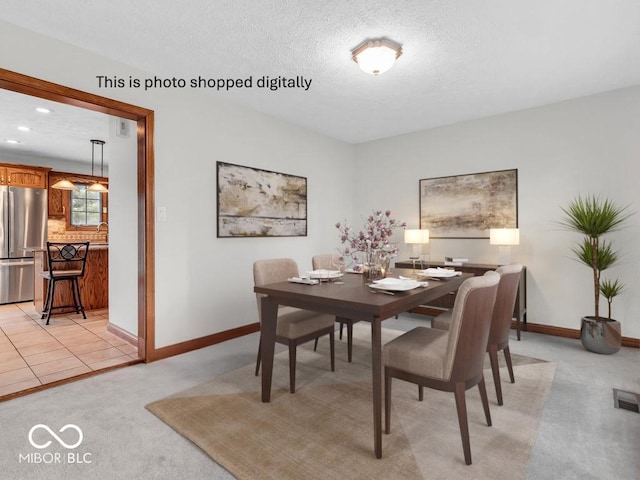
315	344
493	357
387	401
77	299
342	325
292	367
461	407
259	356
46	310
349	340
420	392
507	357
332	348
485	400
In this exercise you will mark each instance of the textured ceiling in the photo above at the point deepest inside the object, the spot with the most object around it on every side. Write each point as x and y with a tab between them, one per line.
462	59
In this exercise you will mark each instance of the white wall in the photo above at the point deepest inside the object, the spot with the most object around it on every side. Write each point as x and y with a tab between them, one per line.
203	284
583	146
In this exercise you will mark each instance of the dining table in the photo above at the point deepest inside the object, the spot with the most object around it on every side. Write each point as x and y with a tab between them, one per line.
350	298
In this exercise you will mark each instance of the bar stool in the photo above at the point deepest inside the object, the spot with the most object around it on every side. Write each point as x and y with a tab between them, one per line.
66	261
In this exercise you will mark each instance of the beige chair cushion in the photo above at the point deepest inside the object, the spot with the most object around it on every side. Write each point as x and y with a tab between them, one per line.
432	354
294	323
442	321
420	351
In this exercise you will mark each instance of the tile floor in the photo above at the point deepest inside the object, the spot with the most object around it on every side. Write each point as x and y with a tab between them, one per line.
32	353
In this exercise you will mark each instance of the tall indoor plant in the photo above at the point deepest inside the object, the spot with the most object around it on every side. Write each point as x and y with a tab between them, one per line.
594	217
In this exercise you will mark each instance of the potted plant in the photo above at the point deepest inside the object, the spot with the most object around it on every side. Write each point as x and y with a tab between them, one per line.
594	217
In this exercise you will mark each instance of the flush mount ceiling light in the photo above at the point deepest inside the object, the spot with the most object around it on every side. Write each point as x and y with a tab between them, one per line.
376	56
97	186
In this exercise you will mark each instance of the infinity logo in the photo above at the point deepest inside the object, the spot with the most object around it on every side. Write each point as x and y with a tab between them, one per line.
52	433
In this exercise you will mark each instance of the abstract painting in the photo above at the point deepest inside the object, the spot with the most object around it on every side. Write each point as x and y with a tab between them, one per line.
260	203
467	206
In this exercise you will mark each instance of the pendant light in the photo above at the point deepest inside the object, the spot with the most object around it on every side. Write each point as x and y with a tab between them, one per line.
64	184
97	186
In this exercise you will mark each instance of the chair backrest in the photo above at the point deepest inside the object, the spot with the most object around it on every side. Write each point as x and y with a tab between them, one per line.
272	271
67	256
322	261
505	303
469	330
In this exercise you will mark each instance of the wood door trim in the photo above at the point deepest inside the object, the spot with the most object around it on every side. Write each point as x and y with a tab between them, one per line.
36	87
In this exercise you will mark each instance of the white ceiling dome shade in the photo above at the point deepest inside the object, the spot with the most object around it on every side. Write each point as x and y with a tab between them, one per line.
376	56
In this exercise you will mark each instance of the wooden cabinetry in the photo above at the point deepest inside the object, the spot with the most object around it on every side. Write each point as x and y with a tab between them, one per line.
446	302
56	199
60	200
94	285
23	176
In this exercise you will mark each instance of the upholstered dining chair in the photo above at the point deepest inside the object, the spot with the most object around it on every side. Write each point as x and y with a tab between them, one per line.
450	360
294	326
325	261
500	322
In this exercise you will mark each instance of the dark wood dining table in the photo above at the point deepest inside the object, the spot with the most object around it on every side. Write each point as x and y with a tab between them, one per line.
351	299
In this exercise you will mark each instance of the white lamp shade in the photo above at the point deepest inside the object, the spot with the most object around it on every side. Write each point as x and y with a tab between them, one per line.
376	56
64	184
416	236
97	187
504	236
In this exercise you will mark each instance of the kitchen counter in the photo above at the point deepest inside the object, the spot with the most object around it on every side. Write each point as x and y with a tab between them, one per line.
94	285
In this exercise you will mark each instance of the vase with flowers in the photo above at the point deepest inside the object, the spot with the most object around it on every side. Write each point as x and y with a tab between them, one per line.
370	248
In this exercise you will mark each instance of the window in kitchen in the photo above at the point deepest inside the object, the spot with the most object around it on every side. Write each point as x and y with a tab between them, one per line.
86	206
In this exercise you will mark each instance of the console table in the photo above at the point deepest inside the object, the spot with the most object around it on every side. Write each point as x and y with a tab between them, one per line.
436	307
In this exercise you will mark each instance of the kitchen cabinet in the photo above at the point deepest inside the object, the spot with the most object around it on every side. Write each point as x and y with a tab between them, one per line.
94	285
60	200
23	176
57	199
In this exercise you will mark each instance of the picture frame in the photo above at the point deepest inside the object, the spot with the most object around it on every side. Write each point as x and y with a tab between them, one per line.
467	206
252	202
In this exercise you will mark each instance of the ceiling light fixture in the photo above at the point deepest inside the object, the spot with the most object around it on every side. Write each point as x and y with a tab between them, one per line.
42	110
23	128
376	56
97	186
64	184
12	141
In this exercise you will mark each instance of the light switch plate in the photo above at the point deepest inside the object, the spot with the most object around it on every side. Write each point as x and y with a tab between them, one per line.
161	214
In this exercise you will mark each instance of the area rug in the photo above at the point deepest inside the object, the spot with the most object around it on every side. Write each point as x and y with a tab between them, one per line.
325	430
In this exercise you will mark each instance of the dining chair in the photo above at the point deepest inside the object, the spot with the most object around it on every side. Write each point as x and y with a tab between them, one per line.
500	323
294	326
325	261
450	361
66	262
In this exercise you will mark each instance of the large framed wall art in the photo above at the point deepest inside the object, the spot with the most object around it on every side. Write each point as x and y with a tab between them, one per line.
467	206
260	203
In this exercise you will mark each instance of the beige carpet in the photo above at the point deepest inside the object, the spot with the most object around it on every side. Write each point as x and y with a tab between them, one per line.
325	429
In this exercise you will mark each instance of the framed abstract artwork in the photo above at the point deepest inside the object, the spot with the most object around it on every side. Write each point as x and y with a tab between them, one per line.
259	203
467	206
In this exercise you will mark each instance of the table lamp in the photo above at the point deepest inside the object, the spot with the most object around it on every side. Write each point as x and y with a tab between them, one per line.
504	238
416	238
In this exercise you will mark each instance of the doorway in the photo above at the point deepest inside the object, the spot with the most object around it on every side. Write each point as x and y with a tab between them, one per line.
145	184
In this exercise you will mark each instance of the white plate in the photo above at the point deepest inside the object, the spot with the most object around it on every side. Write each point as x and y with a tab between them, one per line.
439	273
324	274
395	284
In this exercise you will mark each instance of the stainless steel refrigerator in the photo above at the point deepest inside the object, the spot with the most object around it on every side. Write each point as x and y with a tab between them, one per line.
23	227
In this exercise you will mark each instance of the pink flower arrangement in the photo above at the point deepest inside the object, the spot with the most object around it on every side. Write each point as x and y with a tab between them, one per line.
372	239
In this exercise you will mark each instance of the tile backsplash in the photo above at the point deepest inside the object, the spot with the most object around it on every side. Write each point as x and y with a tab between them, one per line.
57	232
